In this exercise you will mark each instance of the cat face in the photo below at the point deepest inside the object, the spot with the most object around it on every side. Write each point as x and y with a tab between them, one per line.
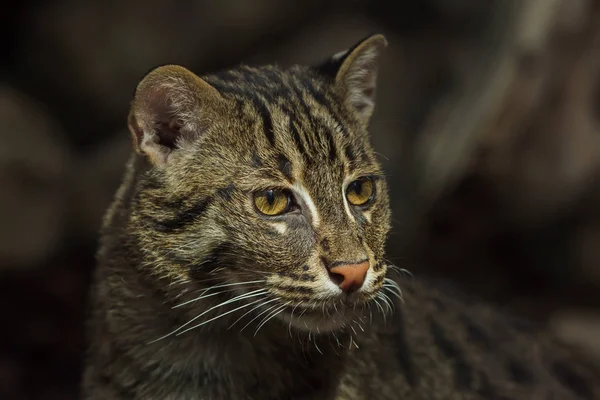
263	190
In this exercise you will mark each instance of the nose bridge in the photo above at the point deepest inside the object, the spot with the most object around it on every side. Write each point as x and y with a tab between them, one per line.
337	230
347	246
339	238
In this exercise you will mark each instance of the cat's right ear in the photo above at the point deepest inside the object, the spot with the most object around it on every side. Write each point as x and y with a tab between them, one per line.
171	107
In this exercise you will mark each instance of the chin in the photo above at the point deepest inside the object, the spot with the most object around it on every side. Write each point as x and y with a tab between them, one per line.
324	320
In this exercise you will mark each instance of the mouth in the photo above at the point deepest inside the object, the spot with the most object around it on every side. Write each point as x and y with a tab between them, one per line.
327	316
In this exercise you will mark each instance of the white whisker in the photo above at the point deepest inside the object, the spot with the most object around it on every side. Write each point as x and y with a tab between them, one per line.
388	302
248	312
258	316
273	314
337	340
291	317
395	293
335	308
219	316
359	325
399	270
202	297
317	347
254	293
383	313
396	289
217	287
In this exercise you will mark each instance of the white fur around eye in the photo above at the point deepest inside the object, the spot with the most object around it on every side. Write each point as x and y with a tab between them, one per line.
280	227
345	200
301	191
367	215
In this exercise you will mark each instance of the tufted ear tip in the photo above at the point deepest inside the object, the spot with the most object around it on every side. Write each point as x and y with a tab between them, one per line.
170	106
377	39
355	74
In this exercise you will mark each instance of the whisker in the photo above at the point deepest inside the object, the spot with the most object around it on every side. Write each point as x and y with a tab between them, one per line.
219	316
217	287
359	325
380	309
248	312
335	308
394	292
254	293
317	347
383	298
388	301
391	282
277	311
291	317
379	305
399	270
196	281
333	347
394	286
202	297
258	316
337	339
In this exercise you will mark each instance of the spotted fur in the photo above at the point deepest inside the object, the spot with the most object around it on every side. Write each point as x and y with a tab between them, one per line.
199	296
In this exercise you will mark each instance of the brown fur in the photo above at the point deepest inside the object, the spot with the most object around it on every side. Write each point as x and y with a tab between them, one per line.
183	239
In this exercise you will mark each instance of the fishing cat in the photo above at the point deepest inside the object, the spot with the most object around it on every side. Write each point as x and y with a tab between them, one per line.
243	258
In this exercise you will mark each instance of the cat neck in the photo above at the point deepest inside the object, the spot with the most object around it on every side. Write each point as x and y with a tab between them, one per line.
131	334
149	324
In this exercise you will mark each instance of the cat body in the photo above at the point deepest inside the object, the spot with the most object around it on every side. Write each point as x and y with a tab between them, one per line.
243	258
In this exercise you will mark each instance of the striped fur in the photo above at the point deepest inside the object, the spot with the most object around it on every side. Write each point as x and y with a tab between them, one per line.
284	128
199	296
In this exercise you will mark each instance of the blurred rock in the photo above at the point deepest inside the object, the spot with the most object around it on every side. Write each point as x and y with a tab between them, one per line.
517	220
33	168
547	156
579	329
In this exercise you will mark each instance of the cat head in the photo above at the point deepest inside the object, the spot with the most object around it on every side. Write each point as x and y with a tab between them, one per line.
262	189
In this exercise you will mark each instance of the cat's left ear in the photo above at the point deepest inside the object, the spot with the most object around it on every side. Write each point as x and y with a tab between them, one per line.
355	74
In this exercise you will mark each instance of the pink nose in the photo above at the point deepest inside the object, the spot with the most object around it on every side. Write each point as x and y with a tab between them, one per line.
349	277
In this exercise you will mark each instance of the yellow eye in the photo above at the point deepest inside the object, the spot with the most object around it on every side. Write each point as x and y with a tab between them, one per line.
272	201
360	191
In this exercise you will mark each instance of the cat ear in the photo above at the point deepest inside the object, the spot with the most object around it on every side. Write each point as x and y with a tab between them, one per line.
355	74
171	107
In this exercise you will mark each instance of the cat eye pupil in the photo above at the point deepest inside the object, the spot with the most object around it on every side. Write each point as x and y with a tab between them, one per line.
272	202
270	197
360	192
356	187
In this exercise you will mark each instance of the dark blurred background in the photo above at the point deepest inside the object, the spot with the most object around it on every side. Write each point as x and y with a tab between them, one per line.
488	124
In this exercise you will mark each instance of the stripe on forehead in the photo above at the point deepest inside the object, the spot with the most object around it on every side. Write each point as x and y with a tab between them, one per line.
292	163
